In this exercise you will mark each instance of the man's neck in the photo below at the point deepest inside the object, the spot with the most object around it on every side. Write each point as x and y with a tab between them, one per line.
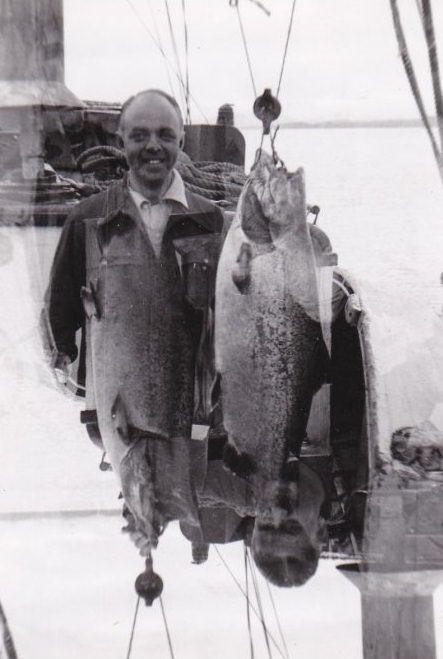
153	192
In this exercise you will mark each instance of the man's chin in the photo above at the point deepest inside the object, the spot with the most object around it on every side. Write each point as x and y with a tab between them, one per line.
151	177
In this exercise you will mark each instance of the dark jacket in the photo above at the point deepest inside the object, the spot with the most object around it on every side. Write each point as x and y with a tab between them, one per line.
115	211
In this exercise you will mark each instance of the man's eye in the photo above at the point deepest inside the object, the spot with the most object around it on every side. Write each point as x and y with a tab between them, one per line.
169	137
138	137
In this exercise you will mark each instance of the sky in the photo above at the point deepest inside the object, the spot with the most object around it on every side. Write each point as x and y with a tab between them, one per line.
342	60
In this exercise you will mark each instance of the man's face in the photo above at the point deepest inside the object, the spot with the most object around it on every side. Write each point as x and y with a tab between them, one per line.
152	136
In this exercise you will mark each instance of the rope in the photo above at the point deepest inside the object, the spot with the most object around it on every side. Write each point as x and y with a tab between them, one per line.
248	605
277	619
288	36
428	24
272	639
188	109
168	635
131	638
6	642
411	76
245	45
419	9
260	607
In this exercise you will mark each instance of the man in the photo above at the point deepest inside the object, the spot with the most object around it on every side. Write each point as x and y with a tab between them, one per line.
135	269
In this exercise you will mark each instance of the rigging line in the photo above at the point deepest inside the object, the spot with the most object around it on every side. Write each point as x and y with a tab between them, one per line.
248	605
174	47
260	607
131	638
157	34
188	107
435	68
244	594
419	9
157	42
167	629
407	63
159	46
245	45
288	36
277	618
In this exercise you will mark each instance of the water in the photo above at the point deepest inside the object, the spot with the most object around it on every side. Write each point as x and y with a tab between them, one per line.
381	204
380	196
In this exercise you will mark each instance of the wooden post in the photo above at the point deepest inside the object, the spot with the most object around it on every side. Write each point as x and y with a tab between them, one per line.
32	42
32	72
397	610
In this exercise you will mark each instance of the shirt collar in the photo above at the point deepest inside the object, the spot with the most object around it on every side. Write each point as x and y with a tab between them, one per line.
175	192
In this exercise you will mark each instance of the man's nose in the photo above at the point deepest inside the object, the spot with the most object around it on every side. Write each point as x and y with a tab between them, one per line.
152	143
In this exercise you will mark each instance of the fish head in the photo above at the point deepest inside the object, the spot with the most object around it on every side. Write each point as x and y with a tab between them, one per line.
280	195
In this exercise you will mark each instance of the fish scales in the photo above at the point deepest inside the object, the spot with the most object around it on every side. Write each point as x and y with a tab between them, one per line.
269	351
130	325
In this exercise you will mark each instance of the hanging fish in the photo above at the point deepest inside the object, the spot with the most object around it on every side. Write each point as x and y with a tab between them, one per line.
269	348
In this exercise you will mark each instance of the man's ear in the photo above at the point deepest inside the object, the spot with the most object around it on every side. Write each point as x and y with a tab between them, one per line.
119	140
182	140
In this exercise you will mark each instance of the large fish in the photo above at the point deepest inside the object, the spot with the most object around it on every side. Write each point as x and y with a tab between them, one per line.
269	348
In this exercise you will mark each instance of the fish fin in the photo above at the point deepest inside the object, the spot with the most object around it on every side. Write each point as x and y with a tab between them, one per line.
241	464
90	300
241	273
119	418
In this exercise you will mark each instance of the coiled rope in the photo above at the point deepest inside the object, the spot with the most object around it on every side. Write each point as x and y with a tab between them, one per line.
218	181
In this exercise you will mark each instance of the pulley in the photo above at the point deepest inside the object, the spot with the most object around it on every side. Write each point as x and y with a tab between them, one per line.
267	108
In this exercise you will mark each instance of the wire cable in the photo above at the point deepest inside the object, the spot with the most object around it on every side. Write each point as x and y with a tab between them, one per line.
248	605
131	638
288	36
168	635
277	619
245	45
237	583
175	50
260	607
428	24
160	48
185	24
410	73
158	37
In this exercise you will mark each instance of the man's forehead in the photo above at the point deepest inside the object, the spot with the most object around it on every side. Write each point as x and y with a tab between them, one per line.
151	108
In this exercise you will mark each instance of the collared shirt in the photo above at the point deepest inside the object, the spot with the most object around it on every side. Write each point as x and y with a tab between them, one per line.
155	215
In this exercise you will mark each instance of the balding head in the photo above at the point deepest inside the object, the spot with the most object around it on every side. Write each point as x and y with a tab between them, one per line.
149	93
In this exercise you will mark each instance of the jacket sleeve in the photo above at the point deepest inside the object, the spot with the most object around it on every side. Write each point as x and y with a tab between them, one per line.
63	310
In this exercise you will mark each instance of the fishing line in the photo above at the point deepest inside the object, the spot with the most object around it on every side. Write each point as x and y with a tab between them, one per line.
288	36
260	607
248	604
244	594
277	619
168	635
131	638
